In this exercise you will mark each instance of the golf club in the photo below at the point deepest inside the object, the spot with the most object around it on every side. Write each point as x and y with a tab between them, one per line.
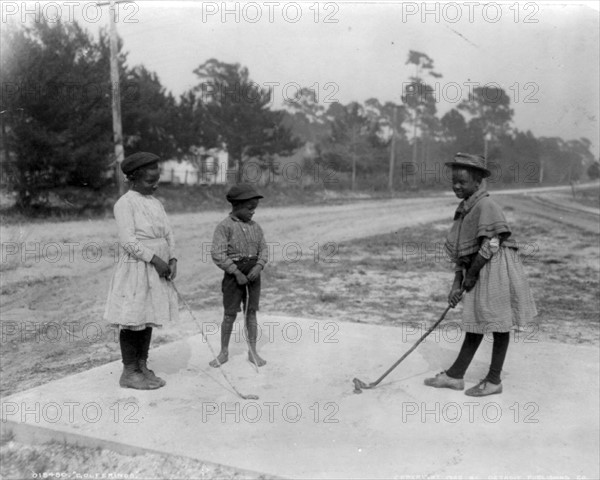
245	397
359	385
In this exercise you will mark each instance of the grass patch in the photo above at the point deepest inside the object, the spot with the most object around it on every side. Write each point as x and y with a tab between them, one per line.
404	277
71	203
12	237
22	285
70	461
328	297
589	197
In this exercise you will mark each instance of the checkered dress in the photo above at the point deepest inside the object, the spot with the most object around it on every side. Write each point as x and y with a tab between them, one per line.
501	300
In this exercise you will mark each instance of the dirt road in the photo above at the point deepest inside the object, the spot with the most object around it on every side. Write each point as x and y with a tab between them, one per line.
556	207
70	264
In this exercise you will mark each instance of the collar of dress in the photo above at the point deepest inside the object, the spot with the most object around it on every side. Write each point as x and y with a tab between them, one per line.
235	219
465	206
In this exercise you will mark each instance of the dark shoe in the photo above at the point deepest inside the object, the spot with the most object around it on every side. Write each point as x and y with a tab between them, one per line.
149	374
441	380
483	389
132	377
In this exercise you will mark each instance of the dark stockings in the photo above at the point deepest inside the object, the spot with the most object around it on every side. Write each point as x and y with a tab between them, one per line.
145	339
467	352
130	342
501	340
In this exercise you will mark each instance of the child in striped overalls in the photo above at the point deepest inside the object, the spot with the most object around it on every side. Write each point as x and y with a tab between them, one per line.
239	248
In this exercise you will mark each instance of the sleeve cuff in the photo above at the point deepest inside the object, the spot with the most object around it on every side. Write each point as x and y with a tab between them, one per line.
146	255
231	268
489	247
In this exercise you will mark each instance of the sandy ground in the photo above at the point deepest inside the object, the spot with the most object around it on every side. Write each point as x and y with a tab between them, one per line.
308	423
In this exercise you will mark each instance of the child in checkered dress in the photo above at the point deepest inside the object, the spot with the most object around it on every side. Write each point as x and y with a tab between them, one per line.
488	269
240	250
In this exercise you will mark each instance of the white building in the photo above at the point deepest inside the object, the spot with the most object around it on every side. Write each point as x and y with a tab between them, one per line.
203	167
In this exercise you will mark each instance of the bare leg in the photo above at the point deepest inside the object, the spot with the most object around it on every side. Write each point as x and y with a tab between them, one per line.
226	329
252	327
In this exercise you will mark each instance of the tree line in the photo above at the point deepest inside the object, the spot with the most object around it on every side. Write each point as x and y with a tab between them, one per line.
57	123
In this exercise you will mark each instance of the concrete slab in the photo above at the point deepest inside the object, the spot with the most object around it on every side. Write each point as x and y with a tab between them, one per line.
308	423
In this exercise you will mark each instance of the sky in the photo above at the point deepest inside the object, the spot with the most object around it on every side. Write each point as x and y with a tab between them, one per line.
545	55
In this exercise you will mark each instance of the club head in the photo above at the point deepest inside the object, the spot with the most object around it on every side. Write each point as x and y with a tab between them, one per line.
359	385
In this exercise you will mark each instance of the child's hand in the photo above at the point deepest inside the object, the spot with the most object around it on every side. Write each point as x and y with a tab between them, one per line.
173	268
254	273
454	296
469	282
241	278
161	266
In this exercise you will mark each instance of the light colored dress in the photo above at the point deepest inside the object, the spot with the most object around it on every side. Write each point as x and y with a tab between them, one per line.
138	297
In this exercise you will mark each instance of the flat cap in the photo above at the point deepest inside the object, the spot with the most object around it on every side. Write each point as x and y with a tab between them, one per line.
137	160
241	192
468	160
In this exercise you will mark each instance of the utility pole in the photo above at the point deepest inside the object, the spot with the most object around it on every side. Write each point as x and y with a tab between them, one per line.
487	138
4	120
485	146
116	94
353	157
4	136
416	120
393	151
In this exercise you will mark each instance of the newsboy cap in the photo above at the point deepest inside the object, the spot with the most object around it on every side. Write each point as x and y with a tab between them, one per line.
467	160
241	192
137	160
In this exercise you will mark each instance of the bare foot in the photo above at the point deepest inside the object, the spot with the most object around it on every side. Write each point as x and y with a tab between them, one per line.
259	361
220	360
